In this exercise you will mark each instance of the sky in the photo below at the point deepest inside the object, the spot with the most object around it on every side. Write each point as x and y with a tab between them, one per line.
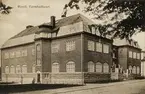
23	15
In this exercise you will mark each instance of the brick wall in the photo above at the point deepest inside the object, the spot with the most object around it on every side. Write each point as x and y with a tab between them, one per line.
63	56
28	60
63	78
94	55
93	77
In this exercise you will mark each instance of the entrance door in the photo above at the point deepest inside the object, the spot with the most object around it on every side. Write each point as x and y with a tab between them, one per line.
38	77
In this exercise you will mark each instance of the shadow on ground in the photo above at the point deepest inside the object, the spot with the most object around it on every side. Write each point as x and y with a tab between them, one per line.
30	87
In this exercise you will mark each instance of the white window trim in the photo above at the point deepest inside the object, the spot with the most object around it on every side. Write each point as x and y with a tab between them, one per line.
99	67
55	67
91	66
70	67
91	45
105	65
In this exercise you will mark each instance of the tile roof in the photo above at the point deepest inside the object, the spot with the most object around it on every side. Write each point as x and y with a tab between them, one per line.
16	40
61	22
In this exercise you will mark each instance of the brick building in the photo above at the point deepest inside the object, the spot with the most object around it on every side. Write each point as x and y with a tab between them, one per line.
143	63
128	58
68	51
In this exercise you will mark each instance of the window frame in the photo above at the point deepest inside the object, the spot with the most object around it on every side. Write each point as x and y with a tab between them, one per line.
55	67
104	48
99	67
70	67
99	47
91	66
104	68
70	46
91	48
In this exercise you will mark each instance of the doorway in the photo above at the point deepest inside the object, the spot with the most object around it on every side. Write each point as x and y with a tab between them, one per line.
38	78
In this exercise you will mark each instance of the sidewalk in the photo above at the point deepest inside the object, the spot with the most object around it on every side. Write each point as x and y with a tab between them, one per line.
87	89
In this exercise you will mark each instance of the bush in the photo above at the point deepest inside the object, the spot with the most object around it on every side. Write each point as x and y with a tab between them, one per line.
140	77
107	81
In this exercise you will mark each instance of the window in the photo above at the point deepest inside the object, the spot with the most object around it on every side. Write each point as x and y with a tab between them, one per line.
130	69
134	55
106	68
12	69
70	66
70	46
98	67
105	48
54	34
6	55
18	69
33	51
12	54
90	66
24	52
55	67
33	69
138	55
93	30
18	54
134	70
138	70
7	69
130	54
98	47
54	48
38	62
24	69
91	45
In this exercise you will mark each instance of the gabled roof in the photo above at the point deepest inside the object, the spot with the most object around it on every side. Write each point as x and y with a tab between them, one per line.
61	22
16	40
123	42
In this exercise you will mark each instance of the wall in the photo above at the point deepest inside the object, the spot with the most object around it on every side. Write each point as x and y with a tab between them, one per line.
96	56
122	57
63	56
28	60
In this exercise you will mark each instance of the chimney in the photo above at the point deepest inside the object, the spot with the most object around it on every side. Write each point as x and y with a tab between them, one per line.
53	21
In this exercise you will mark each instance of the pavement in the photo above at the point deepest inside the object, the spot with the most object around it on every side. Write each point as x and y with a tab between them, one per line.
125	87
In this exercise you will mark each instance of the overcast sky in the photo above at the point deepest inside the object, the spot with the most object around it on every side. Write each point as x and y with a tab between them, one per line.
20	17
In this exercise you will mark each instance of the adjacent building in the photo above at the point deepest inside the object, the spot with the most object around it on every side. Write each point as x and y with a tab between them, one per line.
143	63
128	57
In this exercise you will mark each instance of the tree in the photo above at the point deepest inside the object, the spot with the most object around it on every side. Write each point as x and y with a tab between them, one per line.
4	9
121	18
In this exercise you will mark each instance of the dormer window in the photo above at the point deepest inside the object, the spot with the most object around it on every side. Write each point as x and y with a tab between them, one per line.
49	35
97	32
54	34
93	30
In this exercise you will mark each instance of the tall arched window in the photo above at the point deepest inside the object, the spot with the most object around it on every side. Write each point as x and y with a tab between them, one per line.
105	68
12	69
7	69
33	69
18	69
55	67
90	66
130	69
70	66
98	67
134	70
138	70
24	69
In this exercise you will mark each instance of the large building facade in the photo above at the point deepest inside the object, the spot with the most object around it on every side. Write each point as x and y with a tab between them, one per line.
66	51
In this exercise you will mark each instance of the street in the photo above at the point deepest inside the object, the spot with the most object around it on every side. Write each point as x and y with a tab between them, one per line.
126	87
